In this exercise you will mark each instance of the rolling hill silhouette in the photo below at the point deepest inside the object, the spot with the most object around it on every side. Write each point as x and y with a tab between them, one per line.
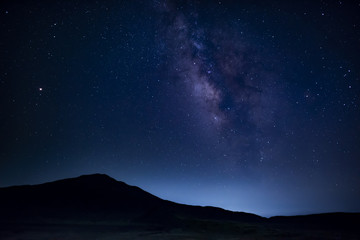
100	198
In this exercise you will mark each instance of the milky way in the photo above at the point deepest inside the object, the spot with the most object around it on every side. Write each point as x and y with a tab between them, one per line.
223	78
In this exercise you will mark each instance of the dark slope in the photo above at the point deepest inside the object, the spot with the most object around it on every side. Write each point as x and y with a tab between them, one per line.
93	197
100	198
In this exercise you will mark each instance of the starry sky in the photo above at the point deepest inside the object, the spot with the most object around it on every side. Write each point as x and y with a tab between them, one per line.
250	105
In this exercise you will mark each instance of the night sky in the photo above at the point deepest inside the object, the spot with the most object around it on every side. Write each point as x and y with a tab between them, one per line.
250	105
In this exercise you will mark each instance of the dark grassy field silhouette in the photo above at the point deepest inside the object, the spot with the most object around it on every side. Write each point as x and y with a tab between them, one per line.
99	207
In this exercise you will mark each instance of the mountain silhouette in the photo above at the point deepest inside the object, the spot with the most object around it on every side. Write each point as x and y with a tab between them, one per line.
97	203
99	197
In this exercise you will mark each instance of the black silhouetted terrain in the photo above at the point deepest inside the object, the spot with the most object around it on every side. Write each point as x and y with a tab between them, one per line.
98	199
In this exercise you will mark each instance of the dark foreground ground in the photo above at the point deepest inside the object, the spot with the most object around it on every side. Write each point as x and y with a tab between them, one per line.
197	229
